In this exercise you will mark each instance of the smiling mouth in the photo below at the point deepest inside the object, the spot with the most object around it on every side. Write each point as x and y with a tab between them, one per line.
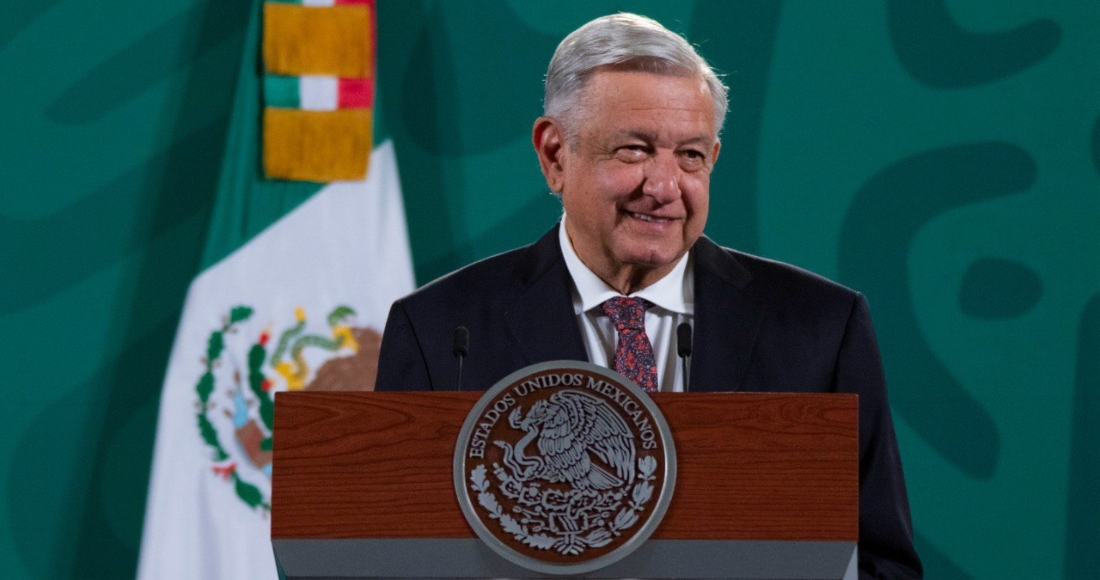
648	218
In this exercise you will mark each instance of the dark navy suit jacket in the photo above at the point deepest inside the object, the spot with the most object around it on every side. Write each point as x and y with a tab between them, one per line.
760	325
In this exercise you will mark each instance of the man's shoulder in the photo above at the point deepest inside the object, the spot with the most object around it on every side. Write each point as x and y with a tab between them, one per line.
773	281
485	274
490	279
781	275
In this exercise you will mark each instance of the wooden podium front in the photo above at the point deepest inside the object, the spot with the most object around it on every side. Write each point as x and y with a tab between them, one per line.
767	486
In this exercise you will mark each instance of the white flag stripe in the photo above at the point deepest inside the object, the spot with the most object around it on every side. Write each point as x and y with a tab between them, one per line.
318	93
318	3
346	245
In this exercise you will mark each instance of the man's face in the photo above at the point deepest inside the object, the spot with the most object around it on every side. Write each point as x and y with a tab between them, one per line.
635	185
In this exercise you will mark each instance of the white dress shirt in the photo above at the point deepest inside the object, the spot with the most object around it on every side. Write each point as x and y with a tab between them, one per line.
673	299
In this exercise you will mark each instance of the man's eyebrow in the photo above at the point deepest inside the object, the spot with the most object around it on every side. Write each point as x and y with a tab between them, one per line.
634	134
699	140
646	136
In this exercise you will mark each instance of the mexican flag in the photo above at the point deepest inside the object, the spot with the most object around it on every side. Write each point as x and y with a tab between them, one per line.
306	251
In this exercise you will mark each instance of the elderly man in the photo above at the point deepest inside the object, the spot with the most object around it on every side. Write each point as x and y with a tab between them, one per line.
628	140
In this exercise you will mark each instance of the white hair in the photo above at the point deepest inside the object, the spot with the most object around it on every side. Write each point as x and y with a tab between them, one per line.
623	42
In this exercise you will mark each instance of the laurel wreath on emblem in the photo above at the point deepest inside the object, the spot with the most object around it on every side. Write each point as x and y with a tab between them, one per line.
253	405
568	522
215	345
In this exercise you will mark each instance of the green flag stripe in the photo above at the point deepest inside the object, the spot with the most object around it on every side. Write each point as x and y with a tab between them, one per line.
281	91
247	203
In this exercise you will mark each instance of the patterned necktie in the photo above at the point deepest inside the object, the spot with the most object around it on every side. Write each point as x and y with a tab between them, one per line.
634	357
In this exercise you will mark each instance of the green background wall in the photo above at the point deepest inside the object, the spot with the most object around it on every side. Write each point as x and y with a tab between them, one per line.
941	156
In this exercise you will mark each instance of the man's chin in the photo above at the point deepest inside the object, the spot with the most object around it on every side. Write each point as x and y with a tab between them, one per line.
651	258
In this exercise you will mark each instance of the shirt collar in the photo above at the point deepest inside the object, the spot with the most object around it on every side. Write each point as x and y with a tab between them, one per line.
675	292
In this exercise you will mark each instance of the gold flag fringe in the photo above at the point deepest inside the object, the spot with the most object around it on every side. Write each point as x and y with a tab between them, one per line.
318	146
304	40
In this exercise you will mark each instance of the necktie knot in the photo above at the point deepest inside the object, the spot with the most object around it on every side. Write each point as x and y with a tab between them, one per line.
626	313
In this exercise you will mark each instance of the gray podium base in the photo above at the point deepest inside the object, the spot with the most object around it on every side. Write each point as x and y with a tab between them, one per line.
748	560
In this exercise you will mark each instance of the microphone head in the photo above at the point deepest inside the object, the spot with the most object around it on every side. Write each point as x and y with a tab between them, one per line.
462	341
683	340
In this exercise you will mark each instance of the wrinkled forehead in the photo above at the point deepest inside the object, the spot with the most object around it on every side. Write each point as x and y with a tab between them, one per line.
679	100
658	68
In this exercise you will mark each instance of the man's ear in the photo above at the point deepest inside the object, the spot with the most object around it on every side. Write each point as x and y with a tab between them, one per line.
549	140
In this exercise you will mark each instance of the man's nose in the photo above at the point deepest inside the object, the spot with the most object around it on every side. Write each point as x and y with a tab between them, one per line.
662	178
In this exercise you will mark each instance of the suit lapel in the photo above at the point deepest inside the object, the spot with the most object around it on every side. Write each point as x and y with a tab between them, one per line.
541	318
728	315
727	320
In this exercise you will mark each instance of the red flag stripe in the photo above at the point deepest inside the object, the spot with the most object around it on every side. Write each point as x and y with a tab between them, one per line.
355	93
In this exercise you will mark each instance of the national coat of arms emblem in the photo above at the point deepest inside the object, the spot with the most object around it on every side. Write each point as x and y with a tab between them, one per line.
564	467
244	367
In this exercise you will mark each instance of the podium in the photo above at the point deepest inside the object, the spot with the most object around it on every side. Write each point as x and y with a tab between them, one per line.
767	487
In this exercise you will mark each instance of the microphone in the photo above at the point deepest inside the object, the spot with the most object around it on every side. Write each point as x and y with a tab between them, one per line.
461	349
683	348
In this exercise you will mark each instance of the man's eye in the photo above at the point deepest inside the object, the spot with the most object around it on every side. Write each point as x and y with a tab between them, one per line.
631	153
693	158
